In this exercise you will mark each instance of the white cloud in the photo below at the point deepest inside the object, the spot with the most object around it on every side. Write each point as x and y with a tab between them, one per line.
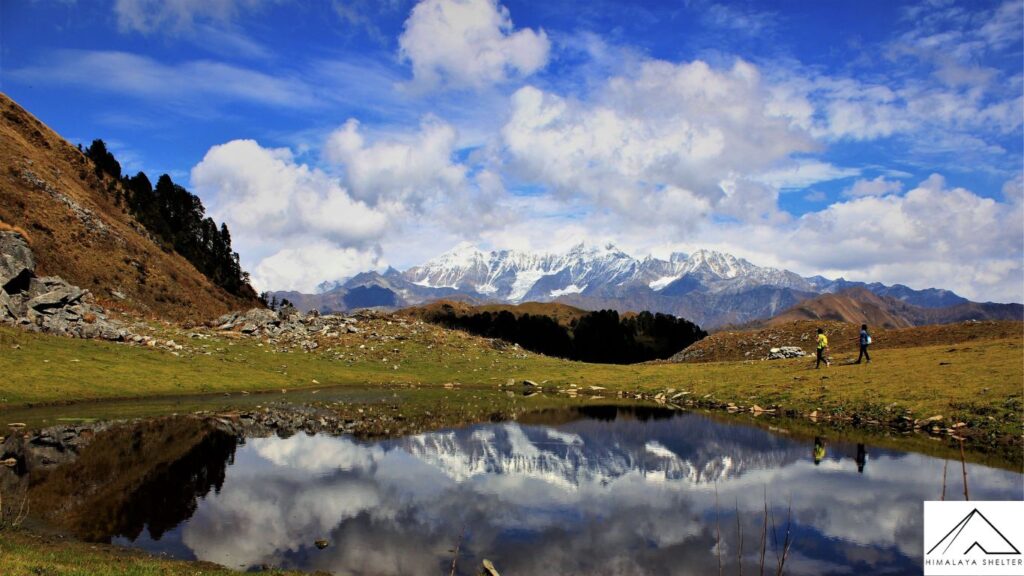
932	236
149	15
191	82
307	219
404	173
663	127
800	174
264	191
468	44
879	186
304	267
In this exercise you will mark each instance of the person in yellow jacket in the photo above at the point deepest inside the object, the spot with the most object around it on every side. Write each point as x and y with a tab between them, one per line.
822	349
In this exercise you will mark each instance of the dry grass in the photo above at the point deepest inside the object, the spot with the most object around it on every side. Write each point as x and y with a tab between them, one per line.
81	232
31	554
5	227
739	345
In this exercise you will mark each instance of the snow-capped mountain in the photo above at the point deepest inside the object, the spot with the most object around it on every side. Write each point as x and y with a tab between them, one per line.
515	276
707	287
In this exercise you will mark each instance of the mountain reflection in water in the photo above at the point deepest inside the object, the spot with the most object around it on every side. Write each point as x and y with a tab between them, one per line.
589	491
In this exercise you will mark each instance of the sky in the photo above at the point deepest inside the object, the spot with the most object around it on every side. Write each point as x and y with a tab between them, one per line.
876	141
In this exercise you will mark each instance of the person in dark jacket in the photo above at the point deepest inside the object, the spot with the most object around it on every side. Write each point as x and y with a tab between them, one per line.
865	341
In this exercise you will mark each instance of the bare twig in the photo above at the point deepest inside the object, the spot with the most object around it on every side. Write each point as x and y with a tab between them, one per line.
945	464
458	545
764	531
787	543
963	464
718	528
739	535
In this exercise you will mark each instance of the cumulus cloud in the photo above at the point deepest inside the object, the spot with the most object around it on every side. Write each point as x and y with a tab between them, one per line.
271	202
879	186
401	173
932	236
305	267
663	127
265	191
468	44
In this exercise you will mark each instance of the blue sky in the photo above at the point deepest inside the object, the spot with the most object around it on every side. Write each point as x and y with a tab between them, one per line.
871	140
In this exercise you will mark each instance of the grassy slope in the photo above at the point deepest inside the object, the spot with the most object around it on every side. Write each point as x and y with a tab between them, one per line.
25	553
102	247
973	382
970	382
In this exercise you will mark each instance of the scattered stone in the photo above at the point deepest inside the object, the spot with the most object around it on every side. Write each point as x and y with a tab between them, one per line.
784	352
487	568
47	304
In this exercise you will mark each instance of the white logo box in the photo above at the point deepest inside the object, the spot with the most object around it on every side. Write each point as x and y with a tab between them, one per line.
974	537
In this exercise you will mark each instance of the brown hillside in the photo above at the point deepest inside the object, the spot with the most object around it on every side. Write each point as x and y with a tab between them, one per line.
856	306
562	313
729	345
861	306
79	232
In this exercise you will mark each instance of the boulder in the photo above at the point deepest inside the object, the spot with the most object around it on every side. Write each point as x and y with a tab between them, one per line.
17	263
60	294
783	352
261	316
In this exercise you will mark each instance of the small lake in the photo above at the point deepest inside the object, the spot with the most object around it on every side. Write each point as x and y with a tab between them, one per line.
586	490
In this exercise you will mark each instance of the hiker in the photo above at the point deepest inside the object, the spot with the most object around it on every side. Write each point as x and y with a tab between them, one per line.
819	450
865	341
822	349
861	459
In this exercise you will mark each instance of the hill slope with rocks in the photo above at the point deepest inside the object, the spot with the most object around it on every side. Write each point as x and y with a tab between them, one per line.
861	306
80	229
759	343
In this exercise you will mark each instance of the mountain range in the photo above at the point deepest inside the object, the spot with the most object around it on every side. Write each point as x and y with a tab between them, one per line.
710	288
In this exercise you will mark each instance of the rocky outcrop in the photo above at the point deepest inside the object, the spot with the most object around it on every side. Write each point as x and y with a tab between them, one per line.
783	352
287	326
47	304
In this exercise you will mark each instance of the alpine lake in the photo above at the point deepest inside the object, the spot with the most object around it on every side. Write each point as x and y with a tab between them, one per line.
587	486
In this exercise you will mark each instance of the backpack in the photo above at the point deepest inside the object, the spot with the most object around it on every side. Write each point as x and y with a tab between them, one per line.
868	341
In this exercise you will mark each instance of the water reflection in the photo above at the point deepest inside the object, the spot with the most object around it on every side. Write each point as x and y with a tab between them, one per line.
594	491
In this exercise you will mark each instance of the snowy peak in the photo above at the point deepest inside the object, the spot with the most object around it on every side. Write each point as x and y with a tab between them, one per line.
593	270
717	264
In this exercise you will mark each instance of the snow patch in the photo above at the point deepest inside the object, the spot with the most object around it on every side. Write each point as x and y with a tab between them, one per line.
570	289
663	282
525	280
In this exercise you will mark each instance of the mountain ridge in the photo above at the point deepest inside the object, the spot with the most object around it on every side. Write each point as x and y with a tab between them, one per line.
708	287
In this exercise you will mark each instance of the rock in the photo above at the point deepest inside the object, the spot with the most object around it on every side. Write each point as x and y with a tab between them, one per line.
530	384
61	294
936	418
487	568
783	352
16	424
10	462
320	544
17	263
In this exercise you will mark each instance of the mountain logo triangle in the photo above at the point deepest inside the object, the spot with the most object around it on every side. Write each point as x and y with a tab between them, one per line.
973	537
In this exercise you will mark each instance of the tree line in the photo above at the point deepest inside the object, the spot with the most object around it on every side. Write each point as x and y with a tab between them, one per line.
177	219
602	336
